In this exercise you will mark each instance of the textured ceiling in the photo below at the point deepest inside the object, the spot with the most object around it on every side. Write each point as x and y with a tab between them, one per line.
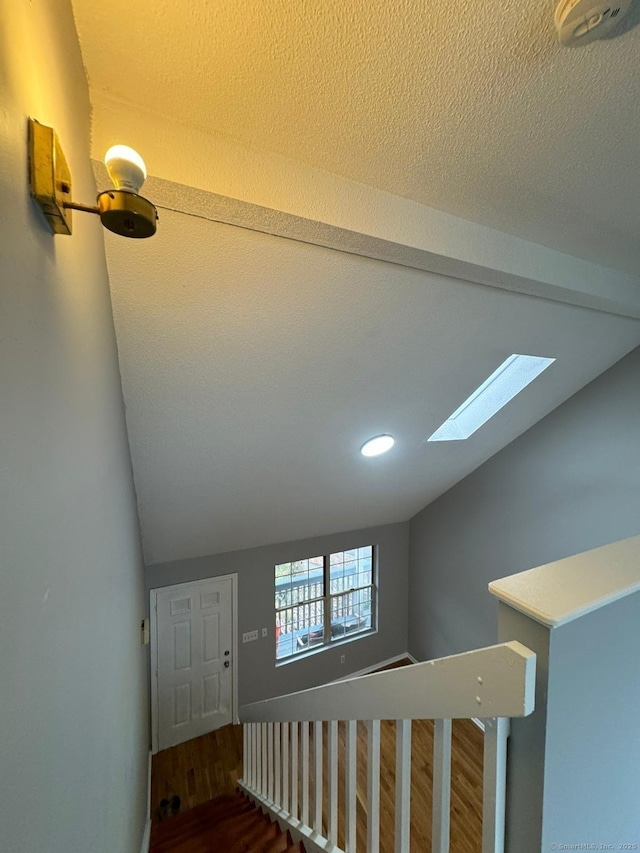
472	108
254	367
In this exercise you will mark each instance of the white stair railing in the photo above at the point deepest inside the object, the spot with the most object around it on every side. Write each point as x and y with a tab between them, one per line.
493	683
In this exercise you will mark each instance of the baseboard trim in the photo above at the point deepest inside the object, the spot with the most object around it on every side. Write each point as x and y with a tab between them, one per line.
149	765
146	838
369	669
479	723
411	658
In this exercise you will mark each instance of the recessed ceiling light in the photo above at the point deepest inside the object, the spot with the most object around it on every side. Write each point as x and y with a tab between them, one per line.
377	445
509	379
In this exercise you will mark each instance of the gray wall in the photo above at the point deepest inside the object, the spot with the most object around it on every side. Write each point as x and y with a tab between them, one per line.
526	753
569	484
259	677
593	736
574	764
73	709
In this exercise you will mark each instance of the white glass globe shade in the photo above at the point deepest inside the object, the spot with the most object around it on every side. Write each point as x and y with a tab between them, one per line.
125	167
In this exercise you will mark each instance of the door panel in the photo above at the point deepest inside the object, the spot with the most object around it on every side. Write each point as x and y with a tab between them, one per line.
182	705
211	645
182	646
211	694
194	630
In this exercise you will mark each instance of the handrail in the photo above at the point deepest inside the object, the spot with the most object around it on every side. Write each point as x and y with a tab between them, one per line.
497	681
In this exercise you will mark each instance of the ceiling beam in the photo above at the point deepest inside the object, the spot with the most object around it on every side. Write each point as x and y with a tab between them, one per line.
202	175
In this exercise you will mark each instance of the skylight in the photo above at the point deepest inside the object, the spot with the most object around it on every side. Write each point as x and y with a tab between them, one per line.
509	379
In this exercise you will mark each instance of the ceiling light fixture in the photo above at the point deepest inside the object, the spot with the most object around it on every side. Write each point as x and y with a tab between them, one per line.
377	445
509	379
121	209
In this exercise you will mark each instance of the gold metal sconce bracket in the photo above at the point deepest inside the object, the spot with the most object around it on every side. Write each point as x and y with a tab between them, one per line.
127	214
121	209
50	177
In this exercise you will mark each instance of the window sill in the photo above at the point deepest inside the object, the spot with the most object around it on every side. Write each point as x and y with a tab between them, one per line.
325	648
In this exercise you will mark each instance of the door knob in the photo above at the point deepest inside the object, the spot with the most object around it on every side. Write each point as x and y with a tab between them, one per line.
227	664
226	654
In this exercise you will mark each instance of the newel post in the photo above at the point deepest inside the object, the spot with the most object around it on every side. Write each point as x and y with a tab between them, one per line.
574	764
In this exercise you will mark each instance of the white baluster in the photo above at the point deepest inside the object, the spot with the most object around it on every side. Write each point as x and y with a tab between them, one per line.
332	821
403	785
258	781
285	766
294	770
265	763
250	756
270	761
317	749
373	786
441	786
305	774
252	740
255	757
277	796
494	786
245	752
350	786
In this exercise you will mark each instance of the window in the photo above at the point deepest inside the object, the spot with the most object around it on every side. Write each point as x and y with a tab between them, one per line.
324	599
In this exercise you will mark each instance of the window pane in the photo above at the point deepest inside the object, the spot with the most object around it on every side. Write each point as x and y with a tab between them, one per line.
336	572
343	570
299	628
364	578
351	613
298	581
283	570
364	560
350	569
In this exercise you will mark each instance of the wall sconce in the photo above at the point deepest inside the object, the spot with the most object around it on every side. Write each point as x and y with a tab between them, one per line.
120	209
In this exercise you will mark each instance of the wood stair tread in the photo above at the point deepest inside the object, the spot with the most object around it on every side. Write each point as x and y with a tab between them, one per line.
218	809
230	823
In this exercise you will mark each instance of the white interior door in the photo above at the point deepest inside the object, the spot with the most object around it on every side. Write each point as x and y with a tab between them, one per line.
195	671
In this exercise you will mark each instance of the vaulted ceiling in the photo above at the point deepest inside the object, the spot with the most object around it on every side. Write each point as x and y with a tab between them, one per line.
256	356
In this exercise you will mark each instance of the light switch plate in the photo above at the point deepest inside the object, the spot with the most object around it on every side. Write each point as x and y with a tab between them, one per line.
249	636
264	632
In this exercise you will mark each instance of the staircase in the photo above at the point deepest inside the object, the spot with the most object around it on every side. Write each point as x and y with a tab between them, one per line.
231	824
284	740
573	767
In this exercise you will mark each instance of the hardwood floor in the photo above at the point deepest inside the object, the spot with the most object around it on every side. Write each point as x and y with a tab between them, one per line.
466	788
198	770
210	766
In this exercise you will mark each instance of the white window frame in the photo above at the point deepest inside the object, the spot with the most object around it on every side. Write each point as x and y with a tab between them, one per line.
328	641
